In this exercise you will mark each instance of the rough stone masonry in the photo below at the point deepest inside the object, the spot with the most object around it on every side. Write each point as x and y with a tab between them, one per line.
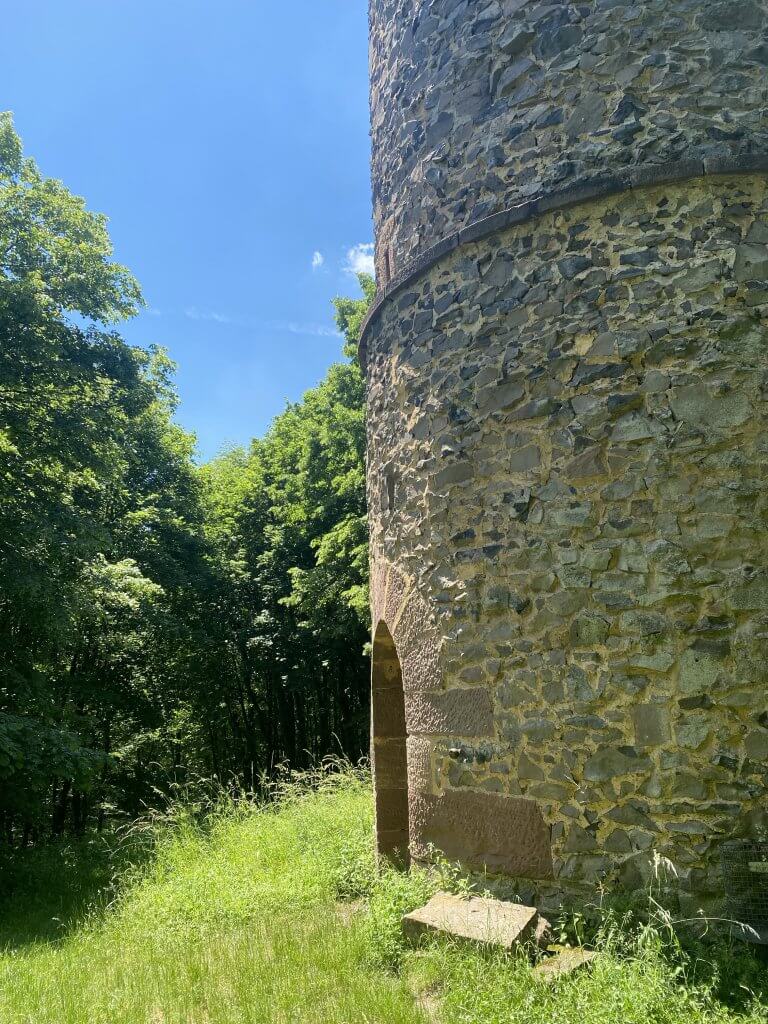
567	368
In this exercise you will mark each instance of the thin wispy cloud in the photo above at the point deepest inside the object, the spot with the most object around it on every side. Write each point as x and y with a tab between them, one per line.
359	259
307	330
317	259
193	313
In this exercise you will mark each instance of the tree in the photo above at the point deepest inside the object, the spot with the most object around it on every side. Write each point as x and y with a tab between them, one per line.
350	314
288	522
157	620
52	248
95	484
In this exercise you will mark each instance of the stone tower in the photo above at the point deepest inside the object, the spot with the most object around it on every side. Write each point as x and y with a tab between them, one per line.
567	369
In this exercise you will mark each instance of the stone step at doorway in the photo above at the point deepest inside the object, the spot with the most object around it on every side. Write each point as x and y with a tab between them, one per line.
490	921
496	923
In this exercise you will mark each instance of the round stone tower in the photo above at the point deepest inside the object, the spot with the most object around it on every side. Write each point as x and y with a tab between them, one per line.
567	368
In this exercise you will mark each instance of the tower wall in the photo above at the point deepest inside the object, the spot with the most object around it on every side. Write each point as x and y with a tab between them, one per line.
567	431
477	105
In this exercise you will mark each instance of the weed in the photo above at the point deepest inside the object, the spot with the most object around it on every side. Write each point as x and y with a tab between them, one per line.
224	909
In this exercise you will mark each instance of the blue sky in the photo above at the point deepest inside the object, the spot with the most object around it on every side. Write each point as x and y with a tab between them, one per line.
227	141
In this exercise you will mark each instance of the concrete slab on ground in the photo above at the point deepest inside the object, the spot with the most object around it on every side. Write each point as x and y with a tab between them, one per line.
564	961
494	922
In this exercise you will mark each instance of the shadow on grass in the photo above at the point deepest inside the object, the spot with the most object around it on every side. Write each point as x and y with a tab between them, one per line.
737	970
46	892
703	953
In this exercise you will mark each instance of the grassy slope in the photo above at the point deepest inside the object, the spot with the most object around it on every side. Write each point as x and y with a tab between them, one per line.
241	923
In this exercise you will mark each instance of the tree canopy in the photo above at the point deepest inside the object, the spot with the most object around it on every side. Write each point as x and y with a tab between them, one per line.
158	620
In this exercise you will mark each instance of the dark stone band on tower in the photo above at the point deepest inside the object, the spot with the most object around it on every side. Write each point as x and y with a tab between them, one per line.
585	191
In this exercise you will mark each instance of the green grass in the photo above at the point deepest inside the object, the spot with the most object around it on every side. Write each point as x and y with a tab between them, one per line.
276	915
47	892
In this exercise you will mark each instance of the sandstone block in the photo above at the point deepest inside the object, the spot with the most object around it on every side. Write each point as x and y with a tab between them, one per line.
451	713
491	922
487	830
419	754
388	713
564	962
389	762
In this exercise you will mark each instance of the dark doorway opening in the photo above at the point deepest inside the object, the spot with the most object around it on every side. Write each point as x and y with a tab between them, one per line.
389	749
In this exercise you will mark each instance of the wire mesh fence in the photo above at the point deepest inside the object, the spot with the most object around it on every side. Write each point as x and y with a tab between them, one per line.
745	877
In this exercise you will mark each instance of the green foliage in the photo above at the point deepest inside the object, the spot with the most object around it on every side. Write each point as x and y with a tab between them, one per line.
235	920
636	982
299	849
48	891
287	526
235	917
395	893
157	620
350	314
100	518
53	251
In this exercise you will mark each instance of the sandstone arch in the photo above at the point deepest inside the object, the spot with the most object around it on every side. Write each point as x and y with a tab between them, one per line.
388	748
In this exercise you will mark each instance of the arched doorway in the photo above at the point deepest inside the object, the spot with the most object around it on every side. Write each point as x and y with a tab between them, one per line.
388	749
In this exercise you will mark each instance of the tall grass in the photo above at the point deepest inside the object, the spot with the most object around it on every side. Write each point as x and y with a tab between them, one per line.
233	920
273	912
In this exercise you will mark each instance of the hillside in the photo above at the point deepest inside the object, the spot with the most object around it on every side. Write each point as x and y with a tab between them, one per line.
275	914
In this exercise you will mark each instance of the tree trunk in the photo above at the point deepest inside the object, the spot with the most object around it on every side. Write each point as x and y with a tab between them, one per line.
59	816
